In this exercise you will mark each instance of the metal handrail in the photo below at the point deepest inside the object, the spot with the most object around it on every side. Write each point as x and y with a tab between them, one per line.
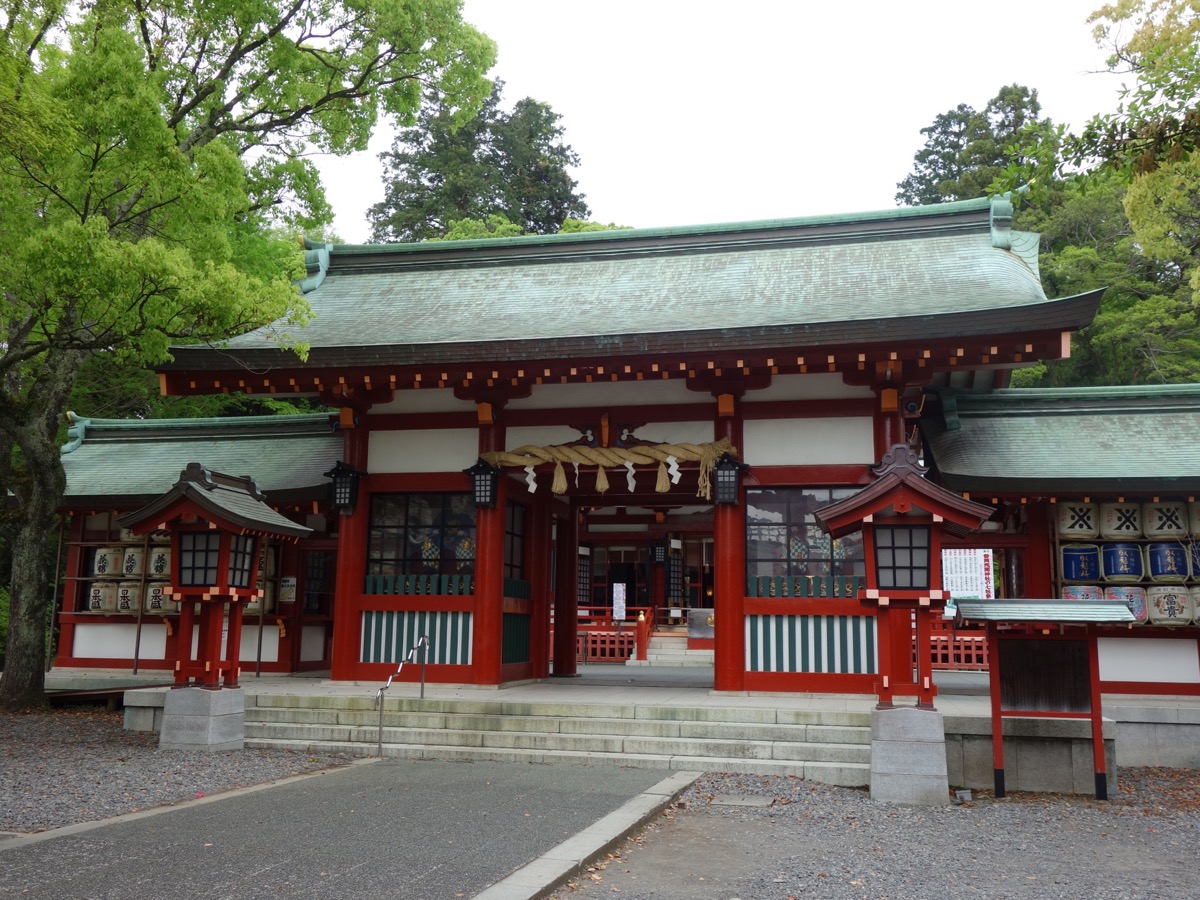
421	644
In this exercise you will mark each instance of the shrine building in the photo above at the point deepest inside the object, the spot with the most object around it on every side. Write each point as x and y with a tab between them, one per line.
537	440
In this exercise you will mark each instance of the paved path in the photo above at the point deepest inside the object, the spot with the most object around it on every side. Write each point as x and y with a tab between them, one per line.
396	828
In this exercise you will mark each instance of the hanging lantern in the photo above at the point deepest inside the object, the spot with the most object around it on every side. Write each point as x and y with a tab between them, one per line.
484	479
728	478
345	487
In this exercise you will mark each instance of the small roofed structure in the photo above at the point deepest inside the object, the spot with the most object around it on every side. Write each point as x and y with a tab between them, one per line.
216	522
1045	663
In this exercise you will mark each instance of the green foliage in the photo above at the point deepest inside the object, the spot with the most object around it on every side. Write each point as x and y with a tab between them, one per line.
1157	120
148	154
445	170
494	226
576	226
966	150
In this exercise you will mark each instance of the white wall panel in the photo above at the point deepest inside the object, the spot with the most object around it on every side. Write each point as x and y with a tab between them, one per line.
433	450
115	640
817	386
808	442
1148	659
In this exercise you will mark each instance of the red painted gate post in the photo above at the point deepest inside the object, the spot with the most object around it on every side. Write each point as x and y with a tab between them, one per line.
643	637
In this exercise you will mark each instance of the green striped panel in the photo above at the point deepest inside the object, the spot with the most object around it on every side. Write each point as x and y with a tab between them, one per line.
388	636
514	646
839	645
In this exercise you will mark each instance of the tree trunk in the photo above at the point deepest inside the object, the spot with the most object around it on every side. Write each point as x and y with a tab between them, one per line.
32	424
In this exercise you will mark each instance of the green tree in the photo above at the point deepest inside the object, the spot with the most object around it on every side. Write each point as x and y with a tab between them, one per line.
966	150
145	150
444	170
1157	120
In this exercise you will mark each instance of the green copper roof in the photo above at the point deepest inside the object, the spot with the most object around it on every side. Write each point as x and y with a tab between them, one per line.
118	460
915	273
231	501
1050	611
1083	441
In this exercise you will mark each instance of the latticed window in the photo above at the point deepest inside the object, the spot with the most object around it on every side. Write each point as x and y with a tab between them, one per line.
514	541
417	534
784	539
902	556
243	559
199	555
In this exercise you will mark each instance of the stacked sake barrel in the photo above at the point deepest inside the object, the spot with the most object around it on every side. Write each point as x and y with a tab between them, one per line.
124	572
1145	554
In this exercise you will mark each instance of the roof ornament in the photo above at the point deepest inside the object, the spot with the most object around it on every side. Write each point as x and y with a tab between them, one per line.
901	459
1000	219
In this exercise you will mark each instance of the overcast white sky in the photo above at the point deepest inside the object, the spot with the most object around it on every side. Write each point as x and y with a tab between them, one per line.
699	111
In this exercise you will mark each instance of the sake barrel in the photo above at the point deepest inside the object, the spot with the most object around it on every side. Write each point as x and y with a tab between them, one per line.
108	562
158	598
1080	562
1120	520
1077	520
1122	562
1133	597
1165	520
1167	561
1194	519
129	597
1082	592
128	537
160	537
102	597
1194	559
1169	604
133	561
158	565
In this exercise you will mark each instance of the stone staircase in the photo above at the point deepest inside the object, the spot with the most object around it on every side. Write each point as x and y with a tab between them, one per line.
826	746
672	650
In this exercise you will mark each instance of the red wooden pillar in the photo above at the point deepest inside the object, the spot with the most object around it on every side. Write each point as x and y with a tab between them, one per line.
183	659
488	631
1099	760
540	583
351	567
210	652
883	630
489	588
925	688
233	645
566	596
729	569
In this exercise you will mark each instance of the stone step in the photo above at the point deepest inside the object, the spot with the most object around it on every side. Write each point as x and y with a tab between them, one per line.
847	774
728	749
257	705
812	733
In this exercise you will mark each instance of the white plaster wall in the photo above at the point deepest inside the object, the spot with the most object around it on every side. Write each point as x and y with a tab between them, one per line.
808	442
312	643
433	450
424	400
1148	659
248	651
813	386
539	436
621	393
115	640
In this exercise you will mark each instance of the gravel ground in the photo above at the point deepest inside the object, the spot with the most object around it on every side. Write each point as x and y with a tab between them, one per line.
77	764
728	836
774	838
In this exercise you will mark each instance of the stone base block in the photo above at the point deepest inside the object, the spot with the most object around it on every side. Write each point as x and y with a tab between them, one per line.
908	757
202	719
1042	755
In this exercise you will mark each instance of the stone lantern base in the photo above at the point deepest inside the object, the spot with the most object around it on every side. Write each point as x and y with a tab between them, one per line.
908	757
197	718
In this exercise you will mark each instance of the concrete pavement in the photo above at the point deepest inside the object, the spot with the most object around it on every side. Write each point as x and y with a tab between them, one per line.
405	829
